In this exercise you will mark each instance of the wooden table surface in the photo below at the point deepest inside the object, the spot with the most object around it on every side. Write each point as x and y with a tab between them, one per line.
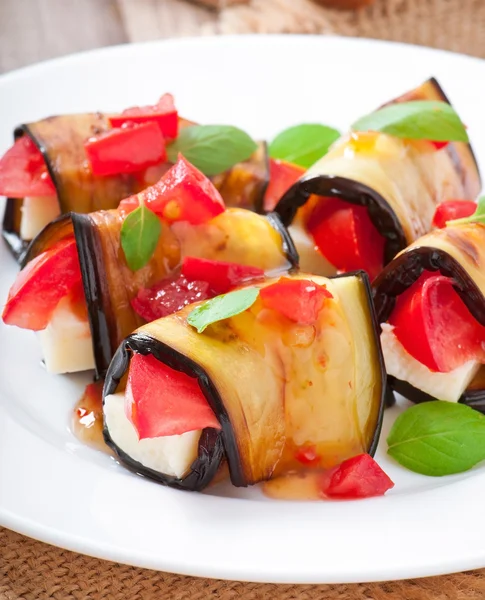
35	30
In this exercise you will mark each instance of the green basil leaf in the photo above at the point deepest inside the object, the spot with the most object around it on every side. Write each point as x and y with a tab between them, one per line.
212	148
303	144
417	120
438	438
477	217
222	307
140	233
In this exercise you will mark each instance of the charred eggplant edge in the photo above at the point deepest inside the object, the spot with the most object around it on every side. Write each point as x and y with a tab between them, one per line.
213	445
398	276
387	397
332	186
287	242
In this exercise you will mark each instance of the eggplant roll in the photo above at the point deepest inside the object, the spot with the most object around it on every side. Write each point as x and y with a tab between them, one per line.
236	235
399	182
455	252
61	142
274	385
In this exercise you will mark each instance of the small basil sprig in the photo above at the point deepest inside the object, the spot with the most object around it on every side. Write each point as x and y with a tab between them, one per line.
303	144
212	148
417	120
477	217
140	233
438	438
222	307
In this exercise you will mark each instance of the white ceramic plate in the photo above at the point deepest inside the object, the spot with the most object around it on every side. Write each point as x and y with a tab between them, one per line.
54	489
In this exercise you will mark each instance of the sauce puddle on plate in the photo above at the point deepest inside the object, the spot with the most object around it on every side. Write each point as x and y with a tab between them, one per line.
87	418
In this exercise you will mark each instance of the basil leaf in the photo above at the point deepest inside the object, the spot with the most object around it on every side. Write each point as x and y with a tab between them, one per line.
417	120
477	217
140	233
212	148
222	307
303	144
438	438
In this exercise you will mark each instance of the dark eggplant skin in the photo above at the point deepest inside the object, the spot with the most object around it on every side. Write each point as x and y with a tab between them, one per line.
288	245
387	397
398	276
386	220
211	449
354	192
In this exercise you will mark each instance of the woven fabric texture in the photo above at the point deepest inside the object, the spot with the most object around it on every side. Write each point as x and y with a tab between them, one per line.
31	570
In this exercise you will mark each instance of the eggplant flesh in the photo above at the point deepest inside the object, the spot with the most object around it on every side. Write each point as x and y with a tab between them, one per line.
457	252
61	139
244	185
399	182
275	385
236	235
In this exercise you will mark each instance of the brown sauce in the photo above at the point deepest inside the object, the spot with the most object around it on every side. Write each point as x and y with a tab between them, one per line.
87	418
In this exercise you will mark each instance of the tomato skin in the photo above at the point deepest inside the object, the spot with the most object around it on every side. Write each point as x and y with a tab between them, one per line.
127	149
41	285
435	327
282	176
221	276
164	114
169	296
161	401
23	171
182	194
299	300
452	209
357	477
439	145
346	236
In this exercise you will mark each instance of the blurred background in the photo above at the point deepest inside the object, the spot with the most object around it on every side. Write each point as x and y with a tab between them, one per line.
34	30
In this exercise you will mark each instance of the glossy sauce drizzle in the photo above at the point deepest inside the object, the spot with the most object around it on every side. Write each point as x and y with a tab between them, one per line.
301	485
87	418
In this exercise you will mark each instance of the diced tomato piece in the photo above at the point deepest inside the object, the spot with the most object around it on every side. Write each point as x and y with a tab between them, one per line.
169	296
282	175
221	276
23	171
439	145
307	455
41	285
182	194
297	299
346	236
161	401
452	209
357	477
434	325
127	149
164	114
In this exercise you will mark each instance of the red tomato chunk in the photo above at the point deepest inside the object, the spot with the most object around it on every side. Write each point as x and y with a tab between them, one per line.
182	194
160	401
41	285
164	114
346	236
128	149
357	477
282	176
299	300
23	171
435	327
452	209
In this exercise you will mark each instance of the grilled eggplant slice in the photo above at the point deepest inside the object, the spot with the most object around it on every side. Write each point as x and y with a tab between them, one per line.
399	182
236	235
457	252
275	386
61	142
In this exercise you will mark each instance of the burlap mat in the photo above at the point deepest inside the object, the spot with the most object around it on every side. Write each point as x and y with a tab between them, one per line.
30	570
